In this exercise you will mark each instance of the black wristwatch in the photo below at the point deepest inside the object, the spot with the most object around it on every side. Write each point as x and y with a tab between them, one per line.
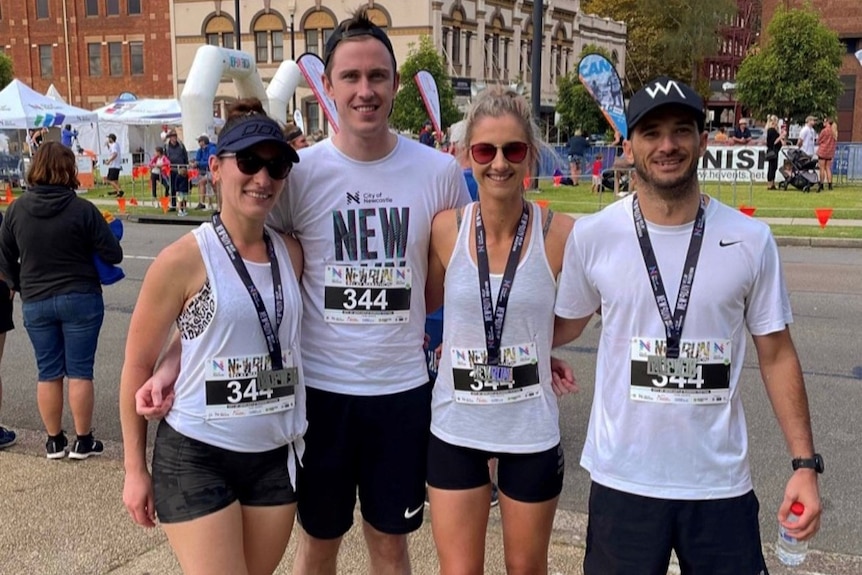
815	463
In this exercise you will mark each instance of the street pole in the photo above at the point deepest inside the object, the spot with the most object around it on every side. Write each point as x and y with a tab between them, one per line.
238	28
292	55
536	76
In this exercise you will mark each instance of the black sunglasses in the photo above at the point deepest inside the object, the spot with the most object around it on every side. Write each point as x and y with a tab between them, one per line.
250	164
514	152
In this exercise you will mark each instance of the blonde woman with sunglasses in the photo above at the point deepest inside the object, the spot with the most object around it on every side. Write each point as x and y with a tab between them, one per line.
223	482
494	263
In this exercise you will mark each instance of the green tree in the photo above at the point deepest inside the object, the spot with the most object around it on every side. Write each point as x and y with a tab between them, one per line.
796	71
7	74
409	112
577	109
669	37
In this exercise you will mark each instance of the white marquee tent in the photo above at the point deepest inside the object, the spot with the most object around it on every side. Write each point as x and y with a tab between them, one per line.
21	108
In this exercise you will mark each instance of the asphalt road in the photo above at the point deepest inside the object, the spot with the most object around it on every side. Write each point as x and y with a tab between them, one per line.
826	292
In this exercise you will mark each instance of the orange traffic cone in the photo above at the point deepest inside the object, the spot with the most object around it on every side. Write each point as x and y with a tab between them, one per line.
121	204
9	197
165	201
134	201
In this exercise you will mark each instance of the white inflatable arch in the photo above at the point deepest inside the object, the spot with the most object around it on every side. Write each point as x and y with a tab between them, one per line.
211	63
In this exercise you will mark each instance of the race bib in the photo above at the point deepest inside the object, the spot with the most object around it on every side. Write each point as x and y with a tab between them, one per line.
156	170
367	295
247	385
515	378
700	375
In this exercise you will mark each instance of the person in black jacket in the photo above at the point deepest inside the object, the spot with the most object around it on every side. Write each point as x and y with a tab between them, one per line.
179	157
47	242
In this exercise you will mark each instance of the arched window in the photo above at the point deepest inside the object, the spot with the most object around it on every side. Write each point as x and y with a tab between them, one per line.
268	39
318	28
219	31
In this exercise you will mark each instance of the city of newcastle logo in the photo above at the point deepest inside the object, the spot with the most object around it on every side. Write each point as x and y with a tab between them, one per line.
352	198
664	89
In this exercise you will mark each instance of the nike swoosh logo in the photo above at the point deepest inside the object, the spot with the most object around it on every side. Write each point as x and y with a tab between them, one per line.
410	514
724	244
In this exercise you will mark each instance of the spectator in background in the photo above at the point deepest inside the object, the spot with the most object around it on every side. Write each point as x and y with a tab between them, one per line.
68	136
578	145
295	137
426	135
826	144
742	135
721	136
179	157
115	164
205	151
160	169
597	173
775	139
807	136
47	243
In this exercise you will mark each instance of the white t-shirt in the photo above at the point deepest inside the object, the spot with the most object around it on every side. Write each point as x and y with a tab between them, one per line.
678	441
114	150
807	137
365	229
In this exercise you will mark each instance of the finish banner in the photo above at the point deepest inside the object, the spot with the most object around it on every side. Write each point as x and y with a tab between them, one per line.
736	164
602	81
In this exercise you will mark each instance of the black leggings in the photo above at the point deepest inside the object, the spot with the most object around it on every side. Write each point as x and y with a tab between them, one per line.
154	182
771	168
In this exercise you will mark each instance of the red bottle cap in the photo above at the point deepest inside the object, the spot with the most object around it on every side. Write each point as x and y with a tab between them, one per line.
797	509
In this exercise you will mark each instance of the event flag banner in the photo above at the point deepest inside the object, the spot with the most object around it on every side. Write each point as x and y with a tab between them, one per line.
428	90
311	67
859	56
297	119
601	80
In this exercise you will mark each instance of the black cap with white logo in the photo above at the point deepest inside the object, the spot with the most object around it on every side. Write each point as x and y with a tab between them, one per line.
664	91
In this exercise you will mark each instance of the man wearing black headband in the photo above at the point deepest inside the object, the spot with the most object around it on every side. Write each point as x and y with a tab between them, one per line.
679	278
294	136
361	204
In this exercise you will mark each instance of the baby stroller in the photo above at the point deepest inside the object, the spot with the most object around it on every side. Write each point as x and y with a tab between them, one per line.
799	171
608	180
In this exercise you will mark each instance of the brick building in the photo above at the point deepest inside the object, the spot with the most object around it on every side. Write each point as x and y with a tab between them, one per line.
91	50
845	18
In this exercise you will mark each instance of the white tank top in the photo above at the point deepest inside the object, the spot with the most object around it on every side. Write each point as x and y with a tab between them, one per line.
218	400
519	418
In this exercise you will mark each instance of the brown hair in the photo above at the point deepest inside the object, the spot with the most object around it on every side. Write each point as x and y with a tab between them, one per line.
358	27
54	165
242	108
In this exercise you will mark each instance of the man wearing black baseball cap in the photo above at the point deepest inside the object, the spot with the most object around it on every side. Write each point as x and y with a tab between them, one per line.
679	278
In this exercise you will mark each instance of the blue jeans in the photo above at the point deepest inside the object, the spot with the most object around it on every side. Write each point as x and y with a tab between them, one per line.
64	330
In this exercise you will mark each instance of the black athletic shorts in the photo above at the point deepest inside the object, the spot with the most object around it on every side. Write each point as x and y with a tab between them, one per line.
374	444
113	174
192	479
6	323
525	477
634	535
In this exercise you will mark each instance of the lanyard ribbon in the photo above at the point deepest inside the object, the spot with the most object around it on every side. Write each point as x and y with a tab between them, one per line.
493	318
672	324
272	343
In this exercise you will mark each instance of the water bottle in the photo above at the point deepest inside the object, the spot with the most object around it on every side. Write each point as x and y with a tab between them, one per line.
791	551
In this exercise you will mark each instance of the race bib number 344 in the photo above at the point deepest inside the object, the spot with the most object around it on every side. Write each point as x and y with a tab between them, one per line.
701	374
357	294
246	385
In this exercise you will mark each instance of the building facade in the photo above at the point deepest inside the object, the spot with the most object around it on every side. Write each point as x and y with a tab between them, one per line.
845	18
91	50
483	41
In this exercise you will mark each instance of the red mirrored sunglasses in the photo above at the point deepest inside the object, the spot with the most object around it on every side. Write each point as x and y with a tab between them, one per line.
514	152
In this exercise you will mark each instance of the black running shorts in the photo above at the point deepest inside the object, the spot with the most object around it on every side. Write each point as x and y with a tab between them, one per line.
634	535
192	479
525	477
113	174
374	444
